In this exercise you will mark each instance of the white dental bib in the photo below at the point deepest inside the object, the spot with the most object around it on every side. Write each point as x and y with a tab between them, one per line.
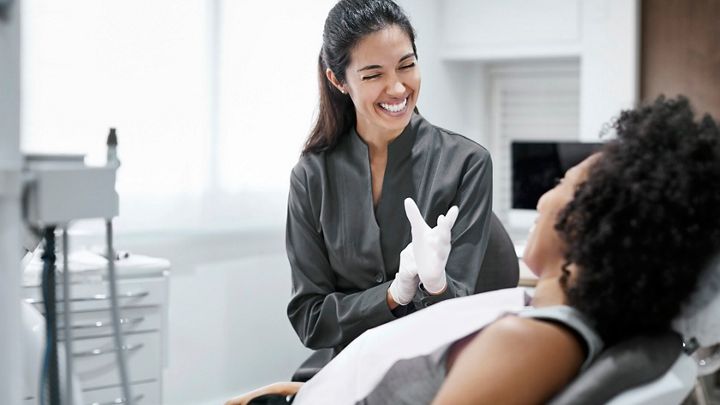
354	373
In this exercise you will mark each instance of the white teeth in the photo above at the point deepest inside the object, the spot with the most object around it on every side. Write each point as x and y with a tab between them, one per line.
394	107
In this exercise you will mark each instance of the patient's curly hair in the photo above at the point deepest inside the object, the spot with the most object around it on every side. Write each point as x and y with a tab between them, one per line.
646	221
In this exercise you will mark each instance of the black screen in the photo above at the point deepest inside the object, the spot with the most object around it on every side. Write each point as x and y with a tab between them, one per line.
536	166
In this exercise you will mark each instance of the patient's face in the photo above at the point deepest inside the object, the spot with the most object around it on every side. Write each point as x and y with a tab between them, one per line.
544	249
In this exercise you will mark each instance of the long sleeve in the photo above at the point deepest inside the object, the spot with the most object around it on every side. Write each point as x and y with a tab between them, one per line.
470	234
321	315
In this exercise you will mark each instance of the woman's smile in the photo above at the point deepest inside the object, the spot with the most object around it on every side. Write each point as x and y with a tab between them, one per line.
395	109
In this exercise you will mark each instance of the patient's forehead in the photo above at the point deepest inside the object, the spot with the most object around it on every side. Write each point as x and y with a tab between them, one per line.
580	171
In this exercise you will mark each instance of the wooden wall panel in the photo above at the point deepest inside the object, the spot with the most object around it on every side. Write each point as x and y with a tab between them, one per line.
681	51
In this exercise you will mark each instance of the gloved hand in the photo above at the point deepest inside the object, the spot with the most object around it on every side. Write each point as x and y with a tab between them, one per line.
431	245
403	288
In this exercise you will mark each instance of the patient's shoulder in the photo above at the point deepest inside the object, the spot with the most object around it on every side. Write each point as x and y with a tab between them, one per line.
518	359
534	343
535	339
529	331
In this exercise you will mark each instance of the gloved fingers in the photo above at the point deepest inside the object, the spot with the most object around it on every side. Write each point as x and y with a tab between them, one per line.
403	287
417	222
435	285
441	220
448	220
441	239
451	217
441	234
405	277
402	290
407	260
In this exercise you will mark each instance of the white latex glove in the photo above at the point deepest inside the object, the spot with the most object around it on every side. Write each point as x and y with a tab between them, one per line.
431	245
406	281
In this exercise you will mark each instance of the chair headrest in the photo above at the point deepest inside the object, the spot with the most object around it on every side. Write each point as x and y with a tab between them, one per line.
700	316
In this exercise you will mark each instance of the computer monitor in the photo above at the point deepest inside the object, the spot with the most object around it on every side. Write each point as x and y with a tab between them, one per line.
536	166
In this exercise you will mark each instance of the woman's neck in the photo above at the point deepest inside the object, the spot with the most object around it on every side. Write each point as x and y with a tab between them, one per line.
548	290
377	140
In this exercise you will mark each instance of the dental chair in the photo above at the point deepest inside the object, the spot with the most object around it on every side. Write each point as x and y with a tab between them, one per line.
660	369
500	269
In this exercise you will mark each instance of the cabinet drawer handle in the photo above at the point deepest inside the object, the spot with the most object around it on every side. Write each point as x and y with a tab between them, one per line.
100	352
105	324
98	297
120	400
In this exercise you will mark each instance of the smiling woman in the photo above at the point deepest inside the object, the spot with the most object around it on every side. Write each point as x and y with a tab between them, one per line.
384	95
383	81
348	241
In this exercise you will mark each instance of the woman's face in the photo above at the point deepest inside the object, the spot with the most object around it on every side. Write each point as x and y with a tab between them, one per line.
383	81
544	248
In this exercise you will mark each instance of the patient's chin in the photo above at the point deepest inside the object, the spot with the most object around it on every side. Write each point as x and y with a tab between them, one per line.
530	261
535	270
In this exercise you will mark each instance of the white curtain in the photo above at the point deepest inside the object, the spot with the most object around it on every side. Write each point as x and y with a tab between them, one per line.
211	99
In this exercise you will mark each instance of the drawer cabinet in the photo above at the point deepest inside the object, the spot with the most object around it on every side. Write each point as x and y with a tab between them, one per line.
95	296
95	359
143	313
143	394
99	323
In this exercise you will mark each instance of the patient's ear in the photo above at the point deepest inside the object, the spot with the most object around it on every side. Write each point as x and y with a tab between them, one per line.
570	273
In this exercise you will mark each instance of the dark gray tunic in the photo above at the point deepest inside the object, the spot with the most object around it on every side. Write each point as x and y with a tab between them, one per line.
344	252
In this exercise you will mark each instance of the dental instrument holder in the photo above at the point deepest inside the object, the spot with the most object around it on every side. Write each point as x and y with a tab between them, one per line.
60	189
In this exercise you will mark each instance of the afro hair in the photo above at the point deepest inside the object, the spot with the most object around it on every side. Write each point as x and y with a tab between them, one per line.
646	222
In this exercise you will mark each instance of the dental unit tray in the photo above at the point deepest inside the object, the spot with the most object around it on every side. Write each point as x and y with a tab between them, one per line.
88	266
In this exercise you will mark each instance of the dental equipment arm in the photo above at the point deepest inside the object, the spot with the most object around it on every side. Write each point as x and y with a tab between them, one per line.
61	189
431	246
699	321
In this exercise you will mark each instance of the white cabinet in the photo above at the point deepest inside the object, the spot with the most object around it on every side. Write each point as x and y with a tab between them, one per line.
143	393
95	359
143	311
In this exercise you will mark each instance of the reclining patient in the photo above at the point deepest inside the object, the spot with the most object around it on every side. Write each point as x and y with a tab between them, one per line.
618	246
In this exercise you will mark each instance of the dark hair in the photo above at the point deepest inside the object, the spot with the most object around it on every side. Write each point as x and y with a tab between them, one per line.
646	222
347	23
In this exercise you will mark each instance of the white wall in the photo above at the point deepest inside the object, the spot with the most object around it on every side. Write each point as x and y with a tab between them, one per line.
509	29
456	38
212	100
609	62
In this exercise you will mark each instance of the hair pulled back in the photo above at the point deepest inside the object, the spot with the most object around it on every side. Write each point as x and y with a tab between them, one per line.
348	22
